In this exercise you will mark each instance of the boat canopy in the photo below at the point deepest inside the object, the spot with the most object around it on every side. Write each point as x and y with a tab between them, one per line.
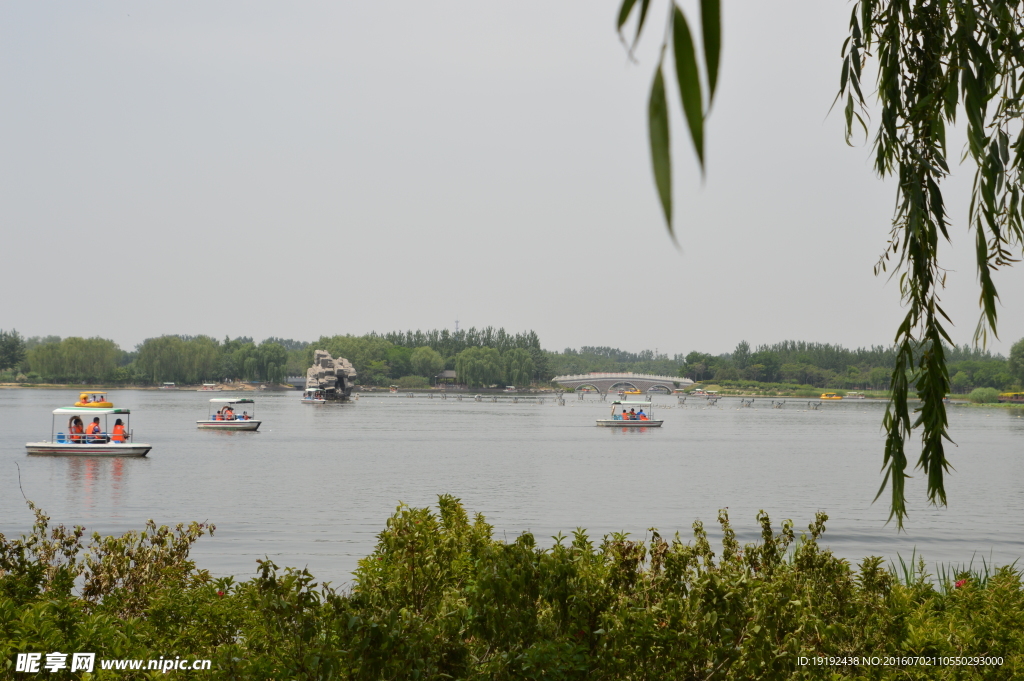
233	400
91	411
634	403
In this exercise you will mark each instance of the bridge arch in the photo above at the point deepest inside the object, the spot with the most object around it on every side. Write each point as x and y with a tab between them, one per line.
604	382
621	384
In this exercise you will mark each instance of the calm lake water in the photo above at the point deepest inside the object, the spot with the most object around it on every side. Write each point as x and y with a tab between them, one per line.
316	484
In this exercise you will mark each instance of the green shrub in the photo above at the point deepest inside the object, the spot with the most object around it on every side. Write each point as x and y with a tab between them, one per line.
413	383
984	396
440	598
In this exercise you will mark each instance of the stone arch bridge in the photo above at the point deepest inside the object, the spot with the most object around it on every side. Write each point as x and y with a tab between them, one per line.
604	382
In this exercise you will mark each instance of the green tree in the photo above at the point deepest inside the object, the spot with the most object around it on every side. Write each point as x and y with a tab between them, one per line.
741	355
426	361
479	366
399	362
12	349
74	359
272	358
519	367
1016	362
250	369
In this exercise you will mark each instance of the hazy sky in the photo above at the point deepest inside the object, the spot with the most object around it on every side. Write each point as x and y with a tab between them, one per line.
298	169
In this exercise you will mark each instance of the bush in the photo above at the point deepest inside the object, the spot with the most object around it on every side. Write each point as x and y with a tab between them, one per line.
413	383
440	597
984	396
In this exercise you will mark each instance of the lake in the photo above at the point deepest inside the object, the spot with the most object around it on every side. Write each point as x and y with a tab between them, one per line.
316	484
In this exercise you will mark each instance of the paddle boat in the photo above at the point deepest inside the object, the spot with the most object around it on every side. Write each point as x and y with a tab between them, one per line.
830	396
93	401
225	418
854	396
106	443
617	421
313	396
168	386
209	388
1011	398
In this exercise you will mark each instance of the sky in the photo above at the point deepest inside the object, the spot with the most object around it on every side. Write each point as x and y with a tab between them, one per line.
304	169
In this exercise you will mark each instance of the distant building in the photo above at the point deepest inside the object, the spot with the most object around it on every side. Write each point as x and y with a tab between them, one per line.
446	377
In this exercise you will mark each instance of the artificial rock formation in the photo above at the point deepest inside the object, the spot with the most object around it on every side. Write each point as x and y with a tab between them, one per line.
334	376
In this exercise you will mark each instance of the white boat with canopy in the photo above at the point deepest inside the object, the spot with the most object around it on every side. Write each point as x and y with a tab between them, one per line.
631	415
314	396
108	442
225	418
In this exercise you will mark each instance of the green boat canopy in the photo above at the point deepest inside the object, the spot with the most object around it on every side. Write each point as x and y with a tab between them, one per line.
232	400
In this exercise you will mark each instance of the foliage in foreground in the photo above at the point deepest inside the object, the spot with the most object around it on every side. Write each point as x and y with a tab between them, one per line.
441	598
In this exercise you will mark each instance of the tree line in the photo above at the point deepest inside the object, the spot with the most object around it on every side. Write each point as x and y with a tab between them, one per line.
479	357
174	358
412	359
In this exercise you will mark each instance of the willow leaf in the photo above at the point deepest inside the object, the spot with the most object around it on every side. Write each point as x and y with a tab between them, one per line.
689	81
711	27
661	155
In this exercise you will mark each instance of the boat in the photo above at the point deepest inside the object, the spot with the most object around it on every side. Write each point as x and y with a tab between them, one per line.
854	396
394	388
232	421
622	405
61	444
93	401
1011	398
631	392
313	396
168	386
830	396
209	388
510	389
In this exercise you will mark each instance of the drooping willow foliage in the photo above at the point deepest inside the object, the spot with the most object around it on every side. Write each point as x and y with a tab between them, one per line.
934	59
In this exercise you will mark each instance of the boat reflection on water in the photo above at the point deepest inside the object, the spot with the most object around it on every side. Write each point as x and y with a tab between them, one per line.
97	481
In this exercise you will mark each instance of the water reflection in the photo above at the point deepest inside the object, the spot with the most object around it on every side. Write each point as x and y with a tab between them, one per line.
92	479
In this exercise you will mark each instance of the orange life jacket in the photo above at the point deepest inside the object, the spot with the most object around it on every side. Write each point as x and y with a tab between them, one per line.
76	433
643	417
118	434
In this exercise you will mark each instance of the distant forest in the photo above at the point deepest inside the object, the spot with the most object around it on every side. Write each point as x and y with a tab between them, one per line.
479	357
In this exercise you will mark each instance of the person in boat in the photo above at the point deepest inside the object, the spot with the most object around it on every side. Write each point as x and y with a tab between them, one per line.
93	432
244	416
641	415
625	415
632	414
84	399
75	429
229	414
118	434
